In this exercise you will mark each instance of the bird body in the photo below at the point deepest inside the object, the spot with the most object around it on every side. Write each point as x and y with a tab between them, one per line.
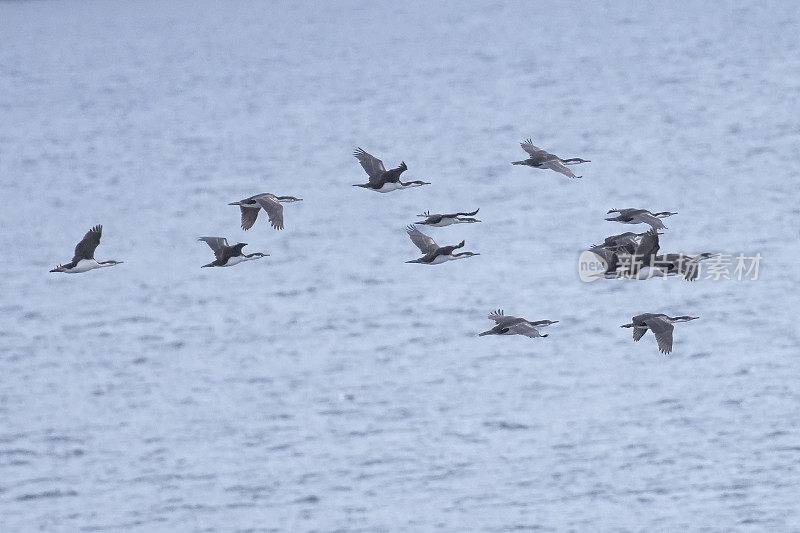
440	221
433	253
661	326
542	159
227	255
84	260
380	179
269	202
512	325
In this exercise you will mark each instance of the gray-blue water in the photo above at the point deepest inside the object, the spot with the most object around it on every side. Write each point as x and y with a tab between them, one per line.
331	386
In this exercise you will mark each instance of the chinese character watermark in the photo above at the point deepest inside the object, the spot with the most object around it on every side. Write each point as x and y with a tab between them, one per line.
706	266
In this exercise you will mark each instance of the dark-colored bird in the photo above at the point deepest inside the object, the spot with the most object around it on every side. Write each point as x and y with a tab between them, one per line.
228	255
630	215
681	264
271	204
380	179
439	221
512	325
660	325
84	260
542	159
434	254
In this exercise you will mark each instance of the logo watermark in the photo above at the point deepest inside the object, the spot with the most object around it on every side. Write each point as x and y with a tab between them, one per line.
738	267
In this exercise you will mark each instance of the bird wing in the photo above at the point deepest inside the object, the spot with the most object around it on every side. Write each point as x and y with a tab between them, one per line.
498	316
524	328
504	320
648	246
85	249
691	271
532	150
217	244
663	332
371	164
558	166
425	244
638	333
647	218
274	210
249	216
453	215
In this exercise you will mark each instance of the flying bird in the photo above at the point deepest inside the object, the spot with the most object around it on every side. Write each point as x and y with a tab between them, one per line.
640	216
269	202
681	264
542	159
511	325
433	253
84	260
380	179
660	325
439	221
228	255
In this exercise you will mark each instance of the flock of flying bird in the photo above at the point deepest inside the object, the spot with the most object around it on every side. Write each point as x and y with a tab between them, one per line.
628	255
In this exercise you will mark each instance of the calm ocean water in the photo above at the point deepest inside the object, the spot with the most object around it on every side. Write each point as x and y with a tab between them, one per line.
331	386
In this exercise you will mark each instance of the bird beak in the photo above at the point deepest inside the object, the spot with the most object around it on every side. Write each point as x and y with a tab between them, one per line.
234	203
484	333
554	321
